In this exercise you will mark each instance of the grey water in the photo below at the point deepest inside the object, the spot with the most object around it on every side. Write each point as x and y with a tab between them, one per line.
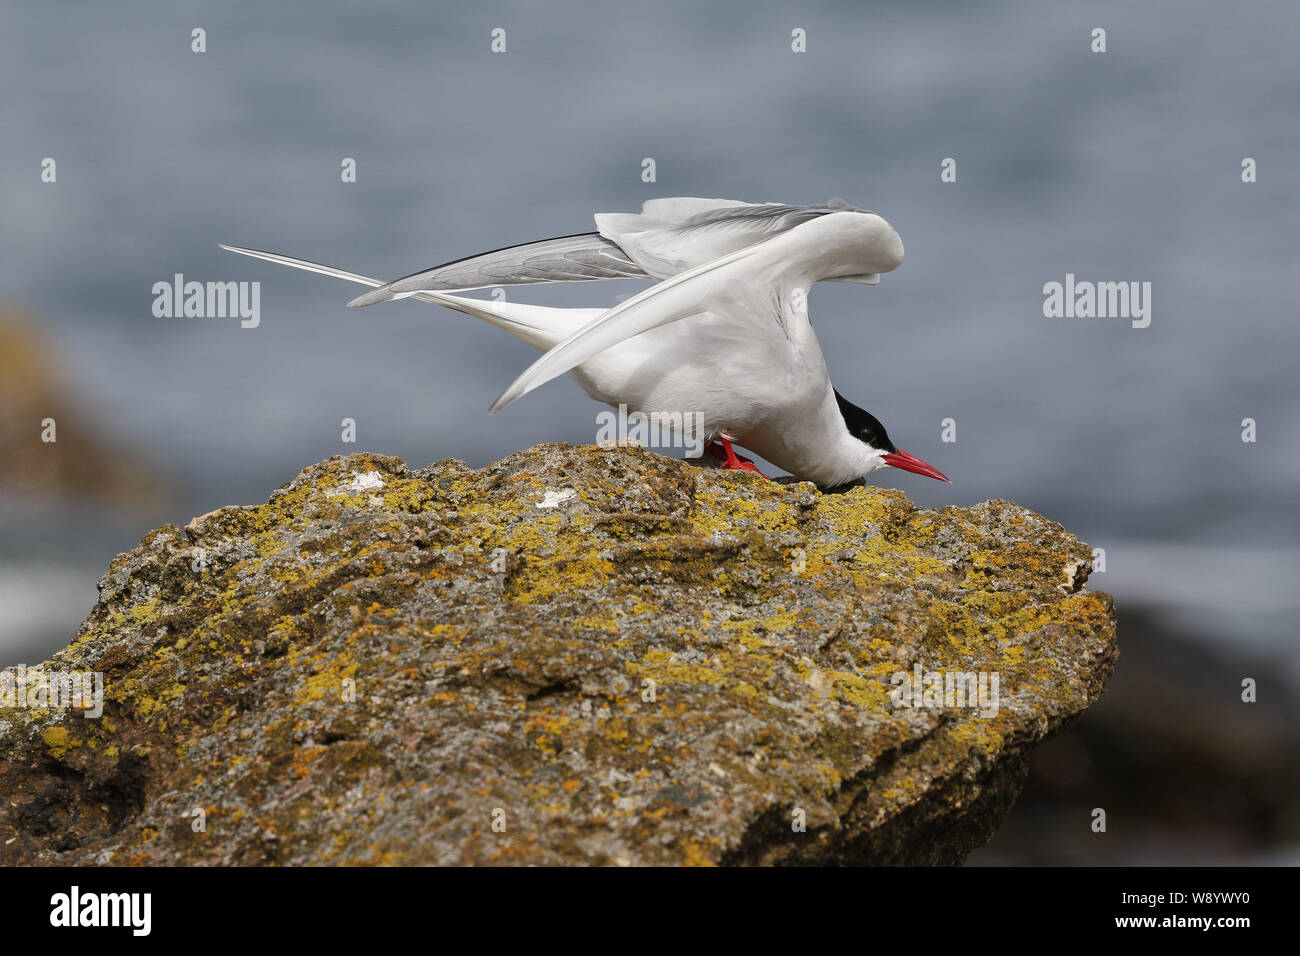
1117	166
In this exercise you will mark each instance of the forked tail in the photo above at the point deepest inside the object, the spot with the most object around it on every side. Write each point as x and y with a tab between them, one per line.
539	326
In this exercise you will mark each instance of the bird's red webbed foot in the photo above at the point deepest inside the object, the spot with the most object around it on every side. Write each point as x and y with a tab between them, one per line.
730	459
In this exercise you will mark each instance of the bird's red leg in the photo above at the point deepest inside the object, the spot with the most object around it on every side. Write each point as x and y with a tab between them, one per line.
730	459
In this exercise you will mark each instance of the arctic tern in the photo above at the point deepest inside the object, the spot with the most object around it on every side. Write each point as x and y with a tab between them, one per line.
723	331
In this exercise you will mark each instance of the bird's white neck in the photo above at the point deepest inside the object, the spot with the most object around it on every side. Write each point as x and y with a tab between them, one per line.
845	459
818	447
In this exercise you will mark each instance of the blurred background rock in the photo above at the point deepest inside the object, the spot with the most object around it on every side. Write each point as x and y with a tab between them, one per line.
65	503
52	450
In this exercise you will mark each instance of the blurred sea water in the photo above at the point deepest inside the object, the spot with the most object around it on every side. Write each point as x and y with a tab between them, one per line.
1113	167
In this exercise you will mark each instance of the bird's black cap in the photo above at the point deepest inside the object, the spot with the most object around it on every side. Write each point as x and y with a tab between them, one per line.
864	426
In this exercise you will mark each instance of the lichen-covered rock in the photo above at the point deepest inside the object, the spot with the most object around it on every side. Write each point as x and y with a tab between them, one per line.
574	655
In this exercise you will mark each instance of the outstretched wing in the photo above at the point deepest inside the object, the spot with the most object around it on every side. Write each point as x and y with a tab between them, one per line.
564	259
668	237
743	284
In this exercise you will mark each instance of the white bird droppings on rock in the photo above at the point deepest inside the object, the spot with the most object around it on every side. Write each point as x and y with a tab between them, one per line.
553	499
361	481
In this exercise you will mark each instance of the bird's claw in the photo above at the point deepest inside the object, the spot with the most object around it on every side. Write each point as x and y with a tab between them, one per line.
744	464
730	460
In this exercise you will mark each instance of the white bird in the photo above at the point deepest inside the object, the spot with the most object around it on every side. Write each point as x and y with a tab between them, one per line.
724	332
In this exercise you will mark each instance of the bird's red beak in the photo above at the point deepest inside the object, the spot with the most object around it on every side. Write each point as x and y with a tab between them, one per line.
901	459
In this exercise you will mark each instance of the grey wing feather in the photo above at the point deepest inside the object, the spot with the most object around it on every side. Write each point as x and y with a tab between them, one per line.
771	216
563	259
666	246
